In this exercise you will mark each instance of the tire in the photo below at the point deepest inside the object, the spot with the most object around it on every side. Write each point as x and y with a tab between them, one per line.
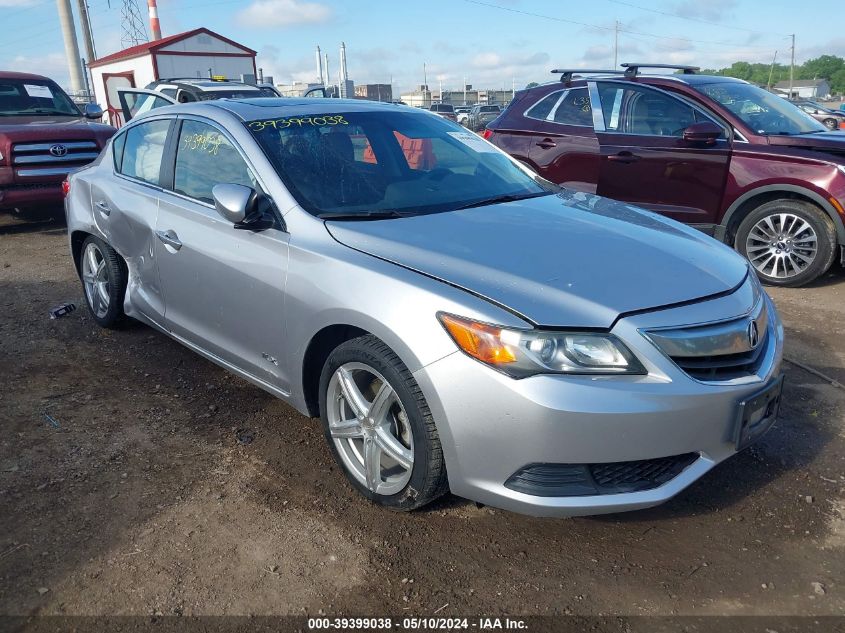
789	242
402	425
103	277
831	124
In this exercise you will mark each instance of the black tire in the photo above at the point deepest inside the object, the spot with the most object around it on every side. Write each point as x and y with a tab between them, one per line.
428	473
114	271
831	124
815	217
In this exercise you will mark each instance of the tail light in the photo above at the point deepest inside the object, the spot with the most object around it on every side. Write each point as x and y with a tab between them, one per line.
65	188
487	133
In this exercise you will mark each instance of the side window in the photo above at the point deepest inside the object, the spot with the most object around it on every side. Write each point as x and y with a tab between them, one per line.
143	147
574	109
136	103
117	146
543	108
204	158
637	110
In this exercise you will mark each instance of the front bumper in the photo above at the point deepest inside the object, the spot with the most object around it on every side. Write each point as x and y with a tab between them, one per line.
492	426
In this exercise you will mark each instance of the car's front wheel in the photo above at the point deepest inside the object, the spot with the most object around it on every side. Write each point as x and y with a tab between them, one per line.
379	427
103	280
789	242
831	124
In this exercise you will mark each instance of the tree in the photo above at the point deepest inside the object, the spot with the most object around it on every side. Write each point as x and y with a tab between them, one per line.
824	67
531	84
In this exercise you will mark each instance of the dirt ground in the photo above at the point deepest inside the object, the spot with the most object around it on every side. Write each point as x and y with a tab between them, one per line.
124	490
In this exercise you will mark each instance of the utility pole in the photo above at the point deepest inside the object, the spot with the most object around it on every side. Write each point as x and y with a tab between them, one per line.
792	66
77	84
771	71
465	90
615	44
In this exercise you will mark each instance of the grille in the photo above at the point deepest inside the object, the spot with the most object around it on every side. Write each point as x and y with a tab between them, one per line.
724	367
576	480
36	159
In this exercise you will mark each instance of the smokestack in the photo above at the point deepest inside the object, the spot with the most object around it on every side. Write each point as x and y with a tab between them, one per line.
328	76
155	25
319	65
261	75
77	84
343	75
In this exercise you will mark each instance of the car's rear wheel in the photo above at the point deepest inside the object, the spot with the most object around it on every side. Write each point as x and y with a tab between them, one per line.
831	124
789	242
103	280
379	427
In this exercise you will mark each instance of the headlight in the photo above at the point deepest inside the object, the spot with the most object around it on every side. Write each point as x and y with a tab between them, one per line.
521	353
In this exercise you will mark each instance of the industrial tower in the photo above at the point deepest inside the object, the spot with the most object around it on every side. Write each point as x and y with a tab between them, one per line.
134	29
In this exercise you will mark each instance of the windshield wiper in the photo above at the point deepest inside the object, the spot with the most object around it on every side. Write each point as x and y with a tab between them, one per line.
363	215
510	197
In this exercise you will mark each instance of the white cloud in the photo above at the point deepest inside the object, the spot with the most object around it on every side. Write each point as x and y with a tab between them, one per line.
487	60
281	13
19	3
713	10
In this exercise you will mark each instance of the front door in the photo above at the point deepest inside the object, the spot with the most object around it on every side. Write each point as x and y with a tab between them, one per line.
646	161
224	287
137	101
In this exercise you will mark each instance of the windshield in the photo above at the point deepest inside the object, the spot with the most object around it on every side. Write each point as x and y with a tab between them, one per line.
374	163
762	111
246	93
25	97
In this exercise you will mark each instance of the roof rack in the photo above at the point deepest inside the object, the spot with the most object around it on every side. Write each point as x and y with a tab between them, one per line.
566	74
632	69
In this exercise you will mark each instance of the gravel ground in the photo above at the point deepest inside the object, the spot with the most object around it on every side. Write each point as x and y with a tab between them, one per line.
124	490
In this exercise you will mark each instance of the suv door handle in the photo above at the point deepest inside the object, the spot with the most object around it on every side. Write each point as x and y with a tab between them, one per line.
103	208
170	238
547	143
623	157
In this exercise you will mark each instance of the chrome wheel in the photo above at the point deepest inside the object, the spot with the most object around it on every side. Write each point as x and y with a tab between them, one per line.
781	245
370	428
95	277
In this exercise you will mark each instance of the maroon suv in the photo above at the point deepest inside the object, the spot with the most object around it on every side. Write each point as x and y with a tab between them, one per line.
720	154
43	136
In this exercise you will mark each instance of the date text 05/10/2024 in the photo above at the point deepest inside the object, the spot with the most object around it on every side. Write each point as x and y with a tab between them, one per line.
417	623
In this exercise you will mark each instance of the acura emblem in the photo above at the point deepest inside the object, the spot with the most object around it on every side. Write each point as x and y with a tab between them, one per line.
753	334
58	150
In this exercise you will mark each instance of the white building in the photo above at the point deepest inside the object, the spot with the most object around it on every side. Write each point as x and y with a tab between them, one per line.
805	88
193	54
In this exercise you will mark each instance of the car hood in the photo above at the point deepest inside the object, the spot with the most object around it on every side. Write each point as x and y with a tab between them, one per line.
67	128
571	259
821	141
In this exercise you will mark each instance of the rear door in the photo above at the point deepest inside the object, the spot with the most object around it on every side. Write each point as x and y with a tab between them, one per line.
646	161
563	144
224	286
137	101
126	203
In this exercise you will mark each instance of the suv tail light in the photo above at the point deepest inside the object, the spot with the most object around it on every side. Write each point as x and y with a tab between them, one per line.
487	133
65	188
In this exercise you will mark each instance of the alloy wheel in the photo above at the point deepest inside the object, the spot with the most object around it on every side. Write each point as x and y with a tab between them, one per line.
781	245
370	428
95	277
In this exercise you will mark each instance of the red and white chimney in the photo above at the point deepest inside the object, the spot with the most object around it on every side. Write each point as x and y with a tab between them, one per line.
155	26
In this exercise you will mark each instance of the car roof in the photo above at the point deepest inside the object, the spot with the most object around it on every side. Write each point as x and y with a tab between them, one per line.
690	79
8	74
205	84
269	107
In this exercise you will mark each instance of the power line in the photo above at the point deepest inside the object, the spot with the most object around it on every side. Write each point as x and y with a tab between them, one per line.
598	26
693	19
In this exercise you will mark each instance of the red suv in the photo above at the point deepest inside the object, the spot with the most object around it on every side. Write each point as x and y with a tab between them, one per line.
720	154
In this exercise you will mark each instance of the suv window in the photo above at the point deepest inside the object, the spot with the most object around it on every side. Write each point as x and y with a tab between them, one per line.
638	110
141	148
442	107
568	107
204	158
489	108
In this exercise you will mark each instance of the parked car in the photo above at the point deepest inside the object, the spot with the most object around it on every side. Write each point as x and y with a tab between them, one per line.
164	92
444	109
43	137
459	324
831	119
720	154
462	113
480	115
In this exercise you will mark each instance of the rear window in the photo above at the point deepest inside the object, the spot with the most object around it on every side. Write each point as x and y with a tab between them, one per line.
442	107
142	150
490	108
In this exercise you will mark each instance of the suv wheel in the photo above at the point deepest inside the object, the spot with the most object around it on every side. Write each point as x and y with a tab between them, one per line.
379	427
104	281
789	242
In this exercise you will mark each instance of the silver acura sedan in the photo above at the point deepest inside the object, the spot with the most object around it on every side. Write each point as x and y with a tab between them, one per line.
455	321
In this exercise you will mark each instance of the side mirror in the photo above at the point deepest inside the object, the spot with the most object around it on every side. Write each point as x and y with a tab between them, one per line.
705	133
92	111
243	206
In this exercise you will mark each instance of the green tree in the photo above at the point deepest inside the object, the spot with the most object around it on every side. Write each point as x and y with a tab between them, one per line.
824	67
531	84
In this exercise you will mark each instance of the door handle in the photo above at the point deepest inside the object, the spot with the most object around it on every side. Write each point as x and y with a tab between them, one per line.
623	157
547	143
170	238
103	208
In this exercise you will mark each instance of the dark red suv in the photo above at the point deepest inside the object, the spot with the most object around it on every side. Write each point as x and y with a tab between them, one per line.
720	154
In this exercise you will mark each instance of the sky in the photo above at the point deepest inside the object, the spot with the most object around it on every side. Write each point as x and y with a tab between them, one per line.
490	44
